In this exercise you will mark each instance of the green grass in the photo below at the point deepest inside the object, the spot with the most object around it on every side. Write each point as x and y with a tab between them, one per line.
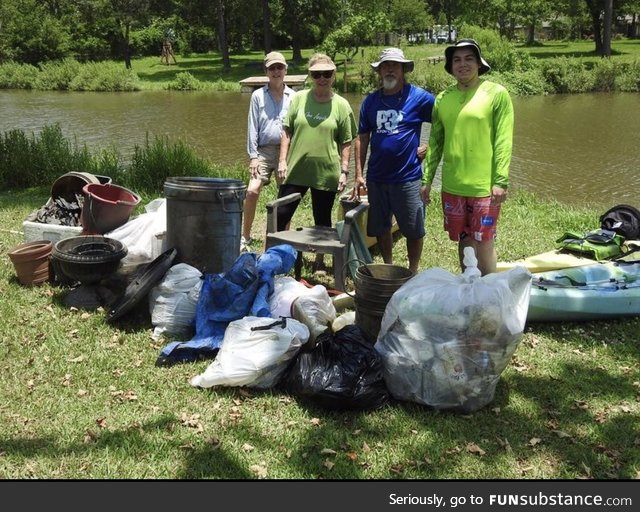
622	50
83	399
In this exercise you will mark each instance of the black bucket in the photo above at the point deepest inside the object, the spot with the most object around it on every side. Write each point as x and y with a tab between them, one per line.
375	284
204	221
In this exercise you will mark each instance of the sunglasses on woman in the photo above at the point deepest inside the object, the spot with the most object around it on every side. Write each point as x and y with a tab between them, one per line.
324	74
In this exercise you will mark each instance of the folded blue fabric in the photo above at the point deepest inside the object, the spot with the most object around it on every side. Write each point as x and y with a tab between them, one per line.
242	291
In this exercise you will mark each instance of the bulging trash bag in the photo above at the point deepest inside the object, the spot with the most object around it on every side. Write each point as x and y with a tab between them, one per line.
343	371
255	351
173	301
445	339
311	306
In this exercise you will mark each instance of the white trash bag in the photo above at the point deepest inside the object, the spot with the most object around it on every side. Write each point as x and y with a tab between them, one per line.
255	351
445	339
140	234
311	306
173	301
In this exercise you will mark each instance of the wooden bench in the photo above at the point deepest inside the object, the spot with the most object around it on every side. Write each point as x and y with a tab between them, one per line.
250	84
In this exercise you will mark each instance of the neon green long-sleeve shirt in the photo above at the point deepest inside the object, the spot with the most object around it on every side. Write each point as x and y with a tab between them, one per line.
472	133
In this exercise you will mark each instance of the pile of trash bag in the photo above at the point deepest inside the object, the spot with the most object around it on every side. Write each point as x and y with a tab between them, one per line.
445	339
255	352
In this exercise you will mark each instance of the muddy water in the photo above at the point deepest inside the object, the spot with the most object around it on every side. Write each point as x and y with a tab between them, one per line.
574	148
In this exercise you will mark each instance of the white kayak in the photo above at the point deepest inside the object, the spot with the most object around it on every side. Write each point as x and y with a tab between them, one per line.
588	292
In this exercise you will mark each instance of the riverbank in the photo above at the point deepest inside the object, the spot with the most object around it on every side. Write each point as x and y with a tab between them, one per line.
84	400
553	67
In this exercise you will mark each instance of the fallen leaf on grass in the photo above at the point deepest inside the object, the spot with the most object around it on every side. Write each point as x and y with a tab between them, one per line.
30	385
192	421
85	315
365	448
73	333
454	450
581	404
315	421
534	441
474	448
327	451
328	464
67	379
130	395
602	416
247	447
82	392
101	422
214	442
561	433
625	408
78	359
90	437
352	455
259	470
504	443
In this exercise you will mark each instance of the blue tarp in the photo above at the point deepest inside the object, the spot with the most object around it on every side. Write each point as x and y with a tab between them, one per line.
242	291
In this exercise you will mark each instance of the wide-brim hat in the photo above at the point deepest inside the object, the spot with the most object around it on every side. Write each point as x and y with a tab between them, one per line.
272	58
321	62
464	43
393	55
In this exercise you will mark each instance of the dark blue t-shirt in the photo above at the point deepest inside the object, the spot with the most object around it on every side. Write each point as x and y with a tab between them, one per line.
394	123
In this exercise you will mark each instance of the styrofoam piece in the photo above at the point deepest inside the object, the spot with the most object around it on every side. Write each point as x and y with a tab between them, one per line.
53	232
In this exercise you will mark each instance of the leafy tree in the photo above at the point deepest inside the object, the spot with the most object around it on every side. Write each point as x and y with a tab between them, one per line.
357	31
127	13
30	33
409	16
222	35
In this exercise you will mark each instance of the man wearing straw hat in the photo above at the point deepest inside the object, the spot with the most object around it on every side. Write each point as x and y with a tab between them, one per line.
391	120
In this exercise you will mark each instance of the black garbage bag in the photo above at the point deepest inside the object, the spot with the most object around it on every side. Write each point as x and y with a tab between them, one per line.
343	371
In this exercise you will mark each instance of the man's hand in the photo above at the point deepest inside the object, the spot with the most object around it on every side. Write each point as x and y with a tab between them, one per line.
422	151
498	194
425	194
358	184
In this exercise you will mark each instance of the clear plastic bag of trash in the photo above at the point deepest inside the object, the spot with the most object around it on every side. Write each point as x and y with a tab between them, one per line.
173	301
255	352
142	234
445	339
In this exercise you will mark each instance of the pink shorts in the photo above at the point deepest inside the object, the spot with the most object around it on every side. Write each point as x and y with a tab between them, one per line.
475	217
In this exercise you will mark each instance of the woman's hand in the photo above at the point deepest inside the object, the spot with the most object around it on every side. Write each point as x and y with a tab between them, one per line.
282	170
342	181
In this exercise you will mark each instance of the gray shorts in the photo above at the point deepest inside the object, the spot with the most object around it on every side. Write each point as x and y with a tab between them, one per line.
399	200
268	157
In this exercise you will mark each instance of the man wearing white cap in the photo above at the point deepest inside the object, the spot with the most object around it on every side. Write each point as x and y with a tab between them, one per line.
391	120
472	133
267	108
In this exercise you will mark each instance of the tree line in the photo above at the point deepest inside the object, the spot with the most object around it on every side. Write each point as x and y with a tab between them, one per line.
36	31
